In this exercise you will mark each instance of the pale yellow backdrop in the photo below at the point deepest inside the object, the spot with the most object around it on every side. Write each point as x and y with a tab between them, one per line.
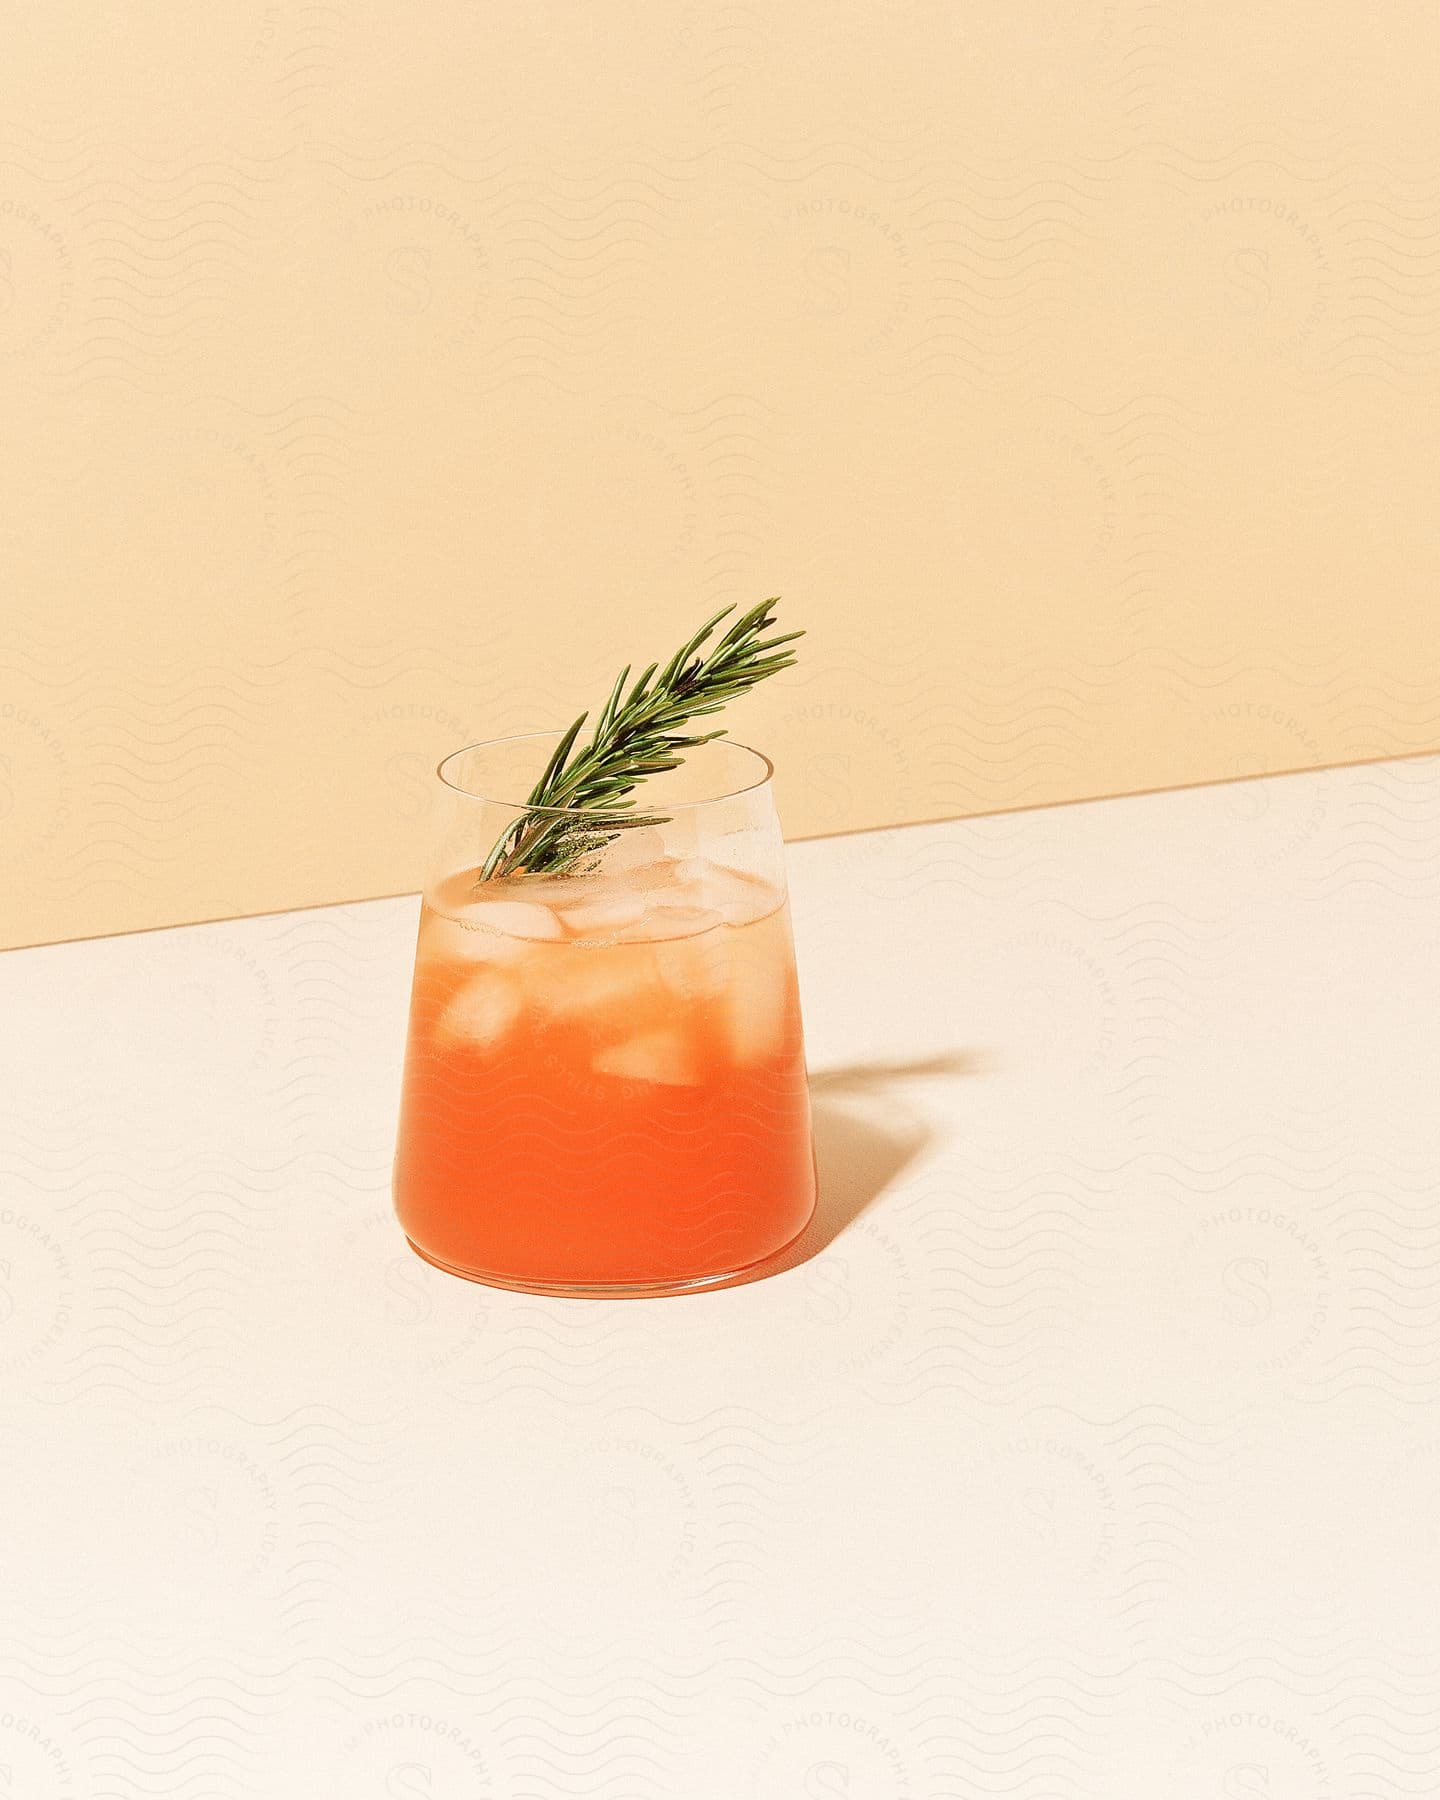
377	377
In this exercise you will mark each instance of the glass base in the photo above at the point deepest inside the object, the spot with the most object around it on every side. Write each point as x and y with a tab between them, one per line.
614	1290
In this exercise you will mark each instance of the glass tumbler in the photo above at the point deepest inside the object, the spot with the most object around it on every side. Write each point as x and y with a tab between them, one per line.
605	1088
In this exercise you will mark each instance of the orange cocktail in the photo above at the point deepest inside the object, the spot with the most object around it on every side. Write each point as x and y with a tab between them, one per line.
605	1081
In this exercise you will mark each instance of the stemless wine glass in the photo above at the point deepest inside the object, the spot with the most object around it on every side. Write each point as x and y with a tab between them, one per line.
605	1083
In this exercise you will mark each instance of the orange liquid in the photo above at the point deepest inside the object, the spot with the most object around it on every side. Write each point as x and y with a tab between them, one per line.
582	1113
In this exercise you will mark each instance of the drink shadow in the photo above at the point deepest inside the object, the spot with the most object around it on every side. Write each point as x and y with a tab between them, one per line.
867	1133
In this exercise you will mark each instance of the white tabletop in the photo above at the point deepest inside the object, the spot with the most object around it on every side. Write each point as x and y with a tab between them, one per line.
1092	1451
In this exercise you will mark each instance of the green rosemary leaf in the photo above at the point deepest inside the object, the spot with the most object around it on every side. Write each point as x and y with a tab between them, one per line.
635	734
602	724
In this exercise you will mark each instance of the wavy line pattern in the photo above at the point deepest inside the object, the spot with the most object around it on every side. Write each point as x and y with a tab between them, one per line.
951	281
731	44
305	45
557	264
1004	253
995	1253
130	1285
124	1716
311	444
158	246
1343	255
1008	1482
881	1717
1317	1708
1083	1444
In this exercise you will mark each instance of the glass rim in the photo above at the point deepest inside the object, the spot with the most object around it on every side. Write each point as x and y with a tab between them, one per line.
766	775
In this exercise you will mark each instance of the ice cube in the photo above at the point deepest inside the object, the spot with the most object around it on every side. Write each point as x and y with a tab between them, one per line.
734	896
636	861
553	891
695	968
483	1010
444	940
665	1057
601	912
492	909
632	850
609	985
753	850
515	919
677	919
652	878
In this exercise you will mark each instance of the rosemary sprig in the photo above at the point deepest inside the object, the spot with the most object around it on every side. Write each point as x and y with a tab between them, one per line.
637	733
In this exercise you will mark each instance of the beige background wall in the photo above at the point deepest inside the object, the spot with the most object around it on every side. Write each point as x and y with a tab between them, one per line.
376	378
